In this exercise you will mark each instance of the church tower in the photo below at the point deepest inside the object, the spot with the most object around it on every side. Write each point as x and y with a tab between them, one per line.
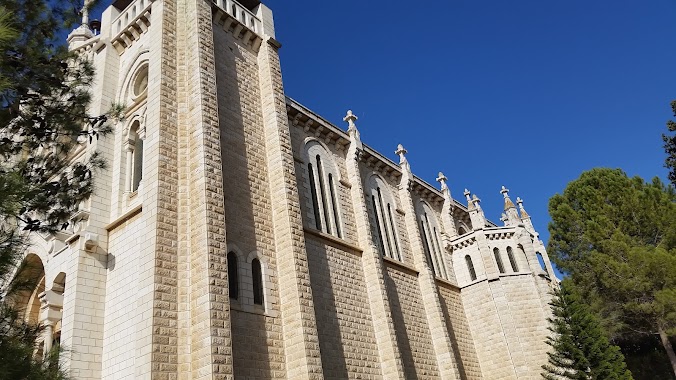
236	234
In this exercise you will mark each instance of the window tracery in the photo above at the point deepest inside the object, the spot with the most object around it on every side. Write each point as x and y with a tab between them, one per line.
382	203
321	172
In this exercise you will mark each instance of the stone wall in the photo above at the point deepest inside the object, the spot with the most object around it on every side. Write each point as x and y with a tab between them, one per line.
346	337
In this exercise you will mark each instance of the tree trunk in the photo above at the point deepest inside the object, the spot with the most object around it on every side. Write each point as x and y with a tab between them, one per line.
668	347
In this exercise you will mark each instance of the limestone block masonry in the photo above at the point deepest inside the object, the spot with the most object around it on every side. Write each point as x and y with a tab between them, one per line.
236	234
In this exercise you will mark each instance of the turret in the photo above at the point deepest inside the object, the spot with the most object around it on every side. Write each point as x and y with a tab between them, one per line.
525	218
513	218
476	213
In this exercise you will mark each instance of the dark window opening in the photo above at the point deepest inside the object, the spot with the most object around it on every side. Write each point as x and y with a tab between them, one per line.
257	281
233	283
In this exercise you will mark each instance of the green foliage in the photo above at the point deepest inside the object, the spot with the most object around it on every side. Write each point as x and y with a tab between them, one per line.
580	350
616	237
45	170
670	146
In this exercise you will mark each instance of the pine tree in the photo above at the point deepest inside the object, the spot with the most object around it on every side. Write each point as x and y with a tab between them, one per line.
44	98
580	350
670	146
615	237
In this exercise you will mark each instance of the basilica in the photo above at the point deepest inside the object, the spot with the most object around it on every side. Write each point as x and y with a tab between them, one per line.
236	234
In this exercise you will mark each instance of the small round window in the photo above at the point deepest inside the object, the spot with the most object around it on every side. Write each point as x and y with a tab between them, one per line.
141	81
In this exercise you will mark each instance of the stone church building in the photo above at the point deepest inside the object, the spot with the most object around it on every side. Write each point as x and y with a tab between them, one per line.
236	234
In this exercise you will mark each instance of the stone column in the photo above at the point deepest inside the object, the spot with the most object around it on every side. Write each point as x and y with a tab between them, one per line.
383	325
301	342
201	176
51	304
441	340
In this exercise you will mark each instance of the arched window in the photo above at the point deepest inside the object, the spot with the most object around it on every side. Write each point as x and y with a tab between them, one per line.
385	232
512	260
429	229
470	268
233	280
134	147
461	231
541	260
321	173
257	275
498	260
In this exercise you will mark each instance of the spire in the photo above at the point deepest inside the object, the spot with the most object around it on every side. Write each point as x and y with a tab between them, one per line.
524	214
508	202
476	214
447	209
82	33
510	210
470	205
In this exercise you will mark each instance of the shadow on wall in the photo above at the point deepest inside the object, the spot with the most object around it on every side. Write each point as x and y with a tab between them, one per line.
328	322
253	335
400	328
454	339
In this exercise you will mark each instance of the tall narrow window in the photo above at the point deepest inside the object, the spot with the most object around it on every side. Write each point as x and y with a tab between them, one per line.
470	268
512	260
334	205
541	260
315	203
138	163
430	235
396	244
381	201
385	226
498	260
134	148
322	182
379	230
257	275
322	192
233	280
426	246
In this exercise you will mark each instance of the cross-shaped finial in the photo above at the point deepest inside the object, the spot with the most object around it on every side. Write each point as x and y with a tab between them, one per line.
519	201
466	194
504	192
442	180
401	152
350	118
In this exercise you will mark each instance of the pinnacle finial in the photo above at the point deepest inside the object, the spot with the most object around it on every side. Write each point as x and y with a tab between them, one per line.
350	118
442	180
401	152
524	214
505	192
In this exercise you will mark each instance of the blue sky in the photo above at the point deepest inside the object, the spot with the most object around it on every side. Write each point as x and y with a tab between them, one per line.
526	94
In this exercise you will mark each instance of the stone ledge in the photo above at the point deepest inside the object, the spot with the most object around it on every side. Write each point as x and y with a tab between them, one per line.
334	240
400	265
124	217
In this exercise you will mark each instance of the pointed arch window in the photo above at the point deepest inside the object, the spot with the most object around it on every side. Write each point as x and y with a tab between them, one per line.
512	260
541	260
470	268
498	260
429	229
134	148
233	279
385	232
257	275
321	173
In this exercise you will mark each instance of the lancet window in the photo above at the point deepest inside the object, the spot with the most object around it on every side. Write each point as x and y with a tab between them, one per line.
134	149
257	275
430	231
498	260
470	268
512	260
233	279
383	208
322	177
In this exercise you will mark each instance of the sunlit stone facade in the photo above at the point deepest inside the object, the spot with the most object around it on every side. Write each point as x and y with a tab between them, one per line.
237	234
